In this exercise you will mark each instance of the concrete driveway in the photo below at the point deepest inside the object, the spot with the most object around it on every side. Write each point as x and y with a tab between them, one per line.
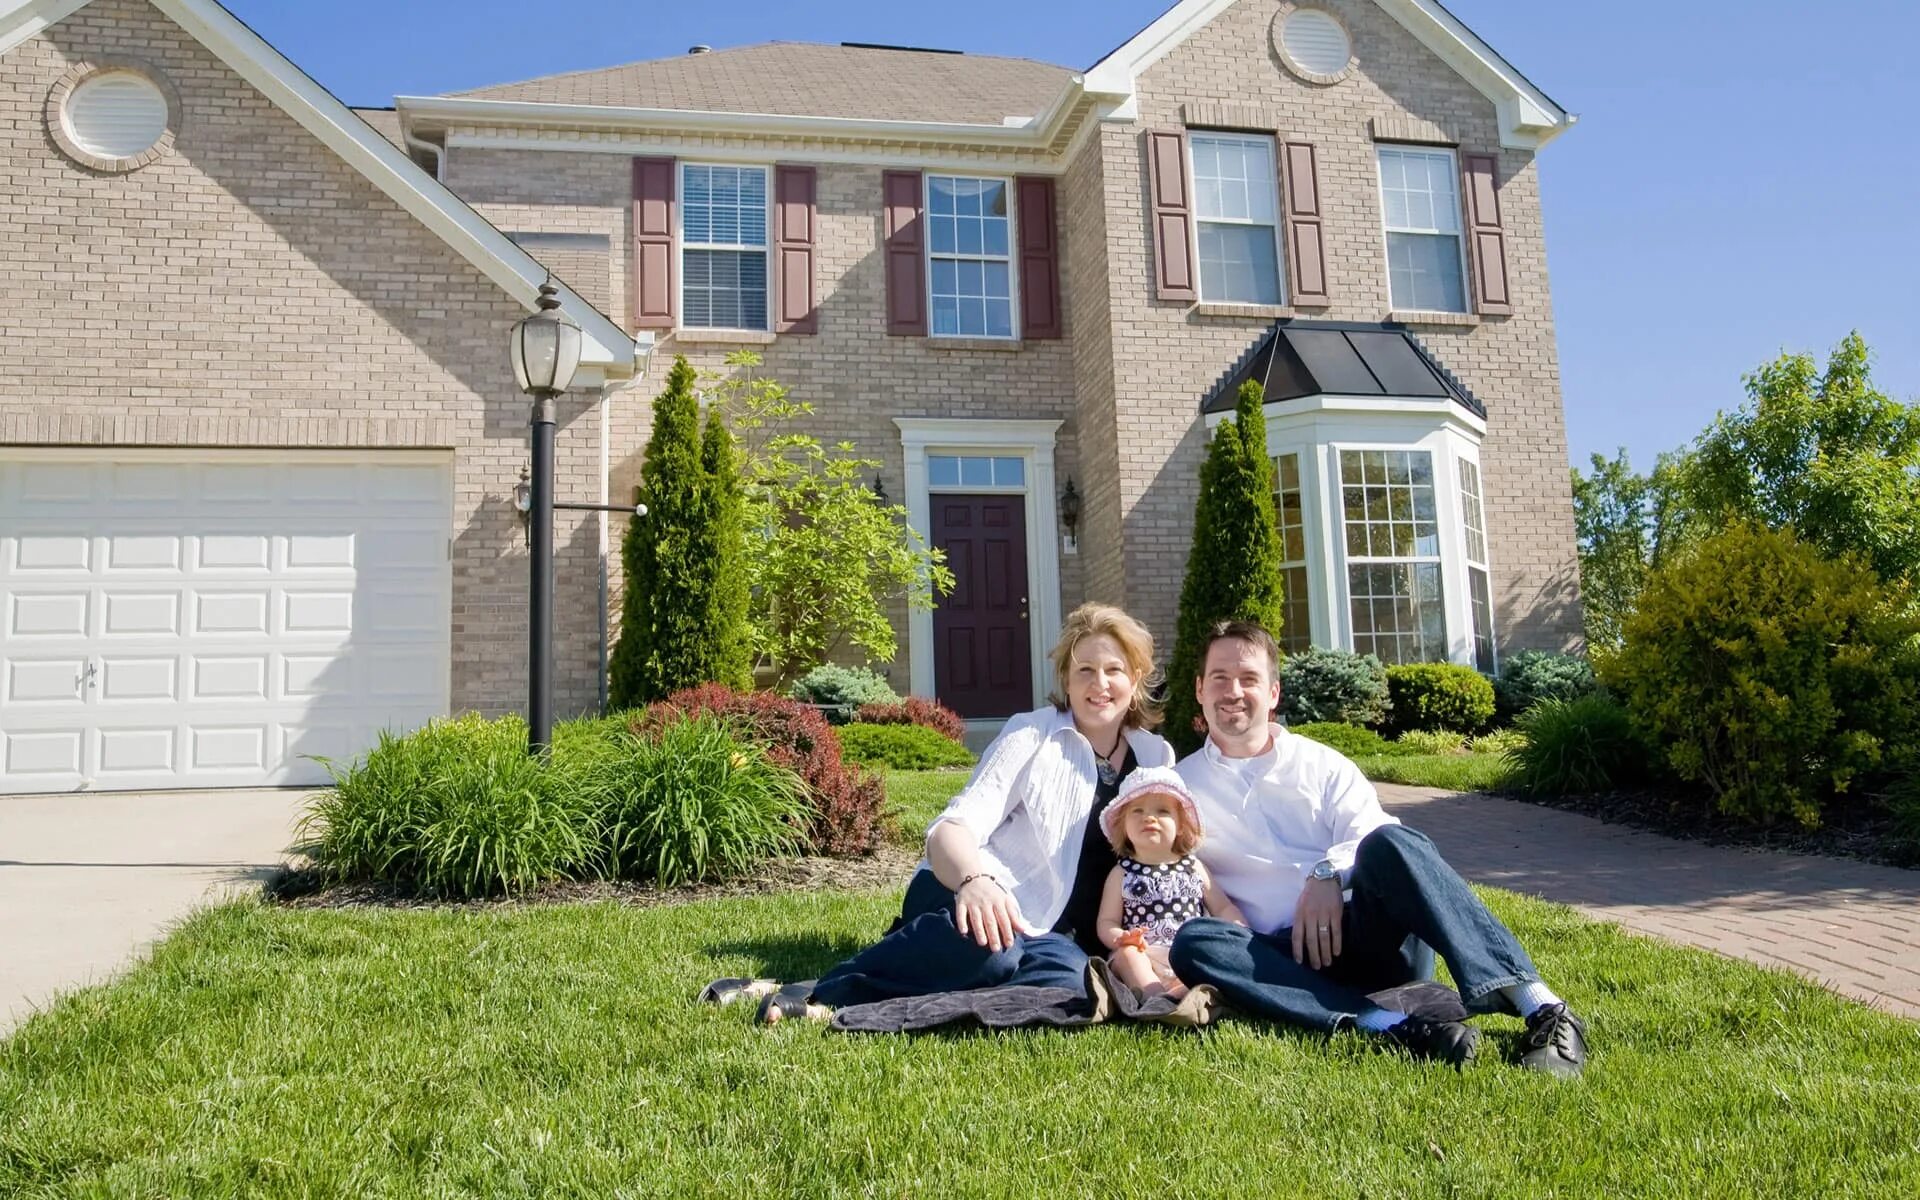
89	882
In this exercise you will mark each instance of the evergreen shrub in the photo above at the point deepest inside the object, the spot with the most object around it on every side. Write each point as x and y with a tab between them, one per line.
1333	685
1770	674
1439	696
901	748
1233	569
847	802
689	802
1567	747
843	690
1530	676
1350	740
915	710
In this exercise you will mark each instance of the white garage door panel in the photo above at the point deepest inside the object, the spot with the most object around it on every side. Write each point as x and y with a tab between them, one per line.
176	623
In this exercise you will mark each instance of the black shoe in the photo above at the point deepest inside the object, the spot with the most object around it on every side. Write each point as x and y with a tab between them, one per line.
1450	1042
1556	1042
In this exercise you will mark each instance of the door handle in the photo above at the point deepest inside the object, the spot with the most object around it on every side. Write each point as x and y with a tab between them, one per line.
93	670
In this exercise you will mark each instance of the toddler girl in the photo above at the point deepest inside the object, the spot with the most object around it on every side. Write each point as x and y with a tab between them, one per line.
1159	885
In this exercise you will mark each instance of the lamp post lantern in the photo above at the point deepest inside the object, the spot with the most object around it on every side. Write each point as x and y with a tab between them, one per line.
546	352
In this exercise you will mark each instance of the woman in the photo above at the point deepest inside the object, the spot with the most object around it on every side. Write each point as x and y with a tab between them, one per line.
1009	891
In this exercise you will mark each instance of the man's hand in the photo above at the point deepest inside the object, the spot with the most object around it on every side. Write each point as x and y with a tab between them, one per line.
983	910
1316	924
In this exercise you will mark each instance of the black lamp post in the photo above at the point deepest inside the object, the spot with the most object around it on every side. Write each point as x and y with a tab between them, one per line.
546	352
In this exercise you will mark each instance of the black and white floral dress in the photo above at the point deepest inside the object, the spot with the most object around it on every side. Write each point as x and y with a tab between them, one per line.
1160	899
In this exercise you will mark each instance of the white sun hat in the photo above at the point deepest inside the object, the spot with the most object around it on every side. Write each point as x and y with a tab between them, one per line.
1143	781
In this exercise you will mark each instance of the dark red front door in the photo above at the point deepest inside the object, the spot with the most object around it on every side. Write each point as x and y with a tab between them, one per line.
982	655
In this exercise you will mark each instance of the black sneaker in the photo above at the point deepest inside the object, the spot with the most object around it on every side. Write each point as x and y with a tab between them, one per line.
1556	1042
1450	1042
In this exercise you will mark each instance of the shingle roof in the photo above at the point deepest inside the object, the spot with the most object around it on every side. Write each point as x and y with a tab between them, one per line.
385	122
1318	358
814	80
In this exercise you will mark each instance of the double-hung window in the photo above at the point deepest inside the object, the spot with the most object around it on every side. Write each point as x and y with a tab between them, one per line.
969	251
1296	626
1420	195
1393	555
1236	214
723	240
1479	588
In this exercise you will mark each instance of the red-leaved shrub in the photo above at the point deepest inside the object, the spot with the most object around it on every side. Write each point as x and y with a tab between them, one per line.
915	710
847	801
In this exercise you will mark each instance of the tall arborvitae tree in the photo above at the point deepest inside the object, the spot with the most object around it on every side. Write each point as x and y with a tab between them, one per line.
663	624
729	621
1233	569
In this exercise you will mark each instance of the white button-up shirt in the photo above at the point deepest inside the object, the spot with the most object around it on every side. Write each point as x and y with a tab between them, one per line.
1271	817
1028	803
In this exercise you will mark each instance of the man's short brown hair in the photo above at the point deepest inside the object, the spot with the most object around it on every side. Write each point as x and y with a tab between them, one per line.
1251	632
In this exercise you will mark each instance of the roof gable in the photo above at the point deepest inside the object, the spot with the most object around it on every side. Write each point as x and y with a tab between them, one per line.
363	148
1529	118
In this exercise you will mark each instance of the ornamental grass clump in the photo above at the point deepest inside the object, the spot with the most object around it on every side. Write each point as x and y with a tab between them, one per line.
457	809
688	803
1567	747
1770	674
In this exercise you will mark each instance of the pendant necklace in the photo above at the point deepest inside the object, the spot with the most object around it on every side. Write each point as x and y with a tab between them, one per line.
1103	763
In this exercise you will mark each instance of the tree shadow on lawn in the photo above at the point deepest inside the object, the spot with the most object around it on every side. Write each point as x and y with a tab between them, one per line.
789	956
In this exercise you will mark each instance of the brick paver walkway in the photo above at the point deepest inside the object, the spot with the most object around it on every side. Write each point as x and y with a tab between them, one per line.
1851	926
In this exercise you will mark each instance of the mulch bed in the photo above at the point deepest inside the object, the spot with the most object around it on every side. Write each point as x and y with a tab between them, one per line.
889	866
1858	831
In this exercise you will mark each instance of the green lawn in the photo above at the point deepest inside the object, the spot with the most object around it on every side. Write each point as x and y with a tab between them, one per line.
556	1051
1454	772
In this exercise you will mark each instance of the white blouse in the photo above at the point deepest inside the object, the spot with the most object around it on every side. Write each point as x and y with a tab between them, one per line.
1028	803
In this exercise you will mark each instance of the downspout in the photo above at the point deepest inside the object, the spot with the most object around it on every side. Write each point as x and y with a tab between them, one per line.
607	393
419	143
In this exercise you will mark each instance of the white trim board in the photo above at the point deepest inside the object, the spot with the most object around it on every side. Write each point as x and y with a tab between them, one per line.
383	164
1529	118
1032	440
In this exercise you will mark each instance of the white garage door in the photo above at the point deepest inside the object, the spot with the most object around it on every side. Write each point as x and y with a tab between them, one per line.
215	619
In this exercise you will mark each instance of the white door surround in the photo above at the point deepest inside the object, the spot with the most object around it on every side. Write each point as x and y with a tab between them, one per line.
1031	441
212	618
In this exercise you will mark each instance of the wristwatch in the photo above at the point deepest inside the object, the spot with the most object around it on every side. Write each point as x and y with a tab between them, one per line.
1324	869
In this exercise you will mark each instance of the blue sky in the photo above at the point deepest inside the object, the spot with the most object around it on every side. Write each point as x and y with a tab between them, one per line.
1742	180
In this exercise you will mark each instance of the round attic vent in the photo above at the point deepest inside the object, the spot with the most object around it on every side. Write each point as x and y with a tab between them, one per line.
116	114
1313	44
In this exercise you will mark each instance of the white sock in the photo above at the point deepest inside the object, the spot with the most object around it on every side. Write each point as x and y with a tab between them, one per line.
1379	1020
1529	996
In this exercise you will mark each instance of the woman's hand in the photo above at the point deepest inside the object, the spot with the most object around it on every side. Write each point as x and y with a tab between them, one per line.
984	911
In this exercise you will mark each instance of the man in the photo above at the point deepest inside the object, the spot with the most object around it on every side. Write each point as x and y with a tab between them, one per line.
1291	825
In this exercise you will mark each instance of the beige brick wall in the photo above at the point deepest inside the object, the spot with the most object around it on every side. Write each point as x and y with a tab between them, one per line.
1166	355
250	289
856	377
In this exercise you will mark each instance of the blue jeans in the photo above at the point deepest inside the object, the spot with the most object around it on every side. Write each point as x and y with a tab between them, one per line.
1402	890
924	953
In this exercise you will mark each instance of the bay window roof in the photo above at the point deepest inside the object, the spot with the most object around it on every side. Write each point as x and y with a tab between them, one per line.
1298	358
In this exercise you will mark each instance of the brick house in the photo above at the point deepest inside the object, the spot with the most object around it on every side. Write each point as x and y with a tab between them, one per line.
261	380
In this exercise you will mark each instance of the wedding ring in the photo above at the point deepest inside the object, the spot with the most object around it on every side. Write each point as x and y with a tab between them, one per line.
1326	927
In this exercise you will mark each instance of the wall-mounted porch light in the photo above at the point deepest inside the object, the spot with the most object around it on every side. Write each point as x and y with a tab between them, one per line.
1070	513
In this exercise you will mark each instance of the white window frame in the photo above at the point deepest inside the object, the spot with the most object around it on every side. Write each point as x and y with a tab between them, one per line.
1381	150
1279	215
1011	257
1462	463
1336	484
1304	564
682	244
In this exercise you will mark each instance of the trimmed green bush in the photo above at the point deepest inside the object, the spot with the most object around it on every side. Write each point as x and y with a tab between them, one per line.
456	809
1770	674
688	802
901	747
1531	676
1902	801
1233	569
1333	685
1439	696
1567	747
845	689
1432	741
1350	740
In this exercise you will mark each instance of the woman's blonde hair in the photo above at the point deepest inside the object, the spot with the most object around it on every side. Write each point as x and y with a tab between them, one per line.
1136	646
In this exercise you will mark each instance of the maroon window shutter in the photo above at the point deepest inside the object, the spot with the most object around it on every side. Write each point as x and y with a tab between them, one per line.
654	250
1305	240
1039	259
906	261
794	210
1172	215
1489	241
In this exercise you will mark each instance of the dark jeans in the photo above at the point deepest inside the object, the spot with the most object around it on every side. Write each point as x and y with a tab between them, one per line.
1402	888
924	953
